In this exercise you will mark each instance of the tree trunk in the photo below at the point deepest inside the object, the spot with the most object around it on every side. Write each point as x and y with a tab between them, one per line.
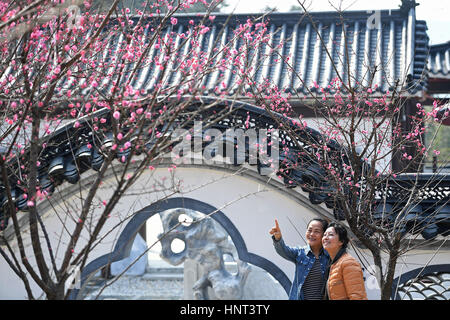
386	289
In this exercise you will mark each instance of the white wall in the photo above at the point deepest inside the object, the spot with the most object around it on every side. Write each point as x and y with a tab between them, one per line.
361	136
251	205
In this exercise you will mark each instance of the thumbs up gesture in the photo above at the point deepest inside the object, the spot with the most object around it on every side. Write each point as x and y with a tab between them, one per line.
275	231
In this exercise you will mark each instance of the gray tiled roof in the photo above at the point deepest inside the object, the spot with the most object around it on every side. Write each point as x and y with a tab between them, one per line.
439	61
399	43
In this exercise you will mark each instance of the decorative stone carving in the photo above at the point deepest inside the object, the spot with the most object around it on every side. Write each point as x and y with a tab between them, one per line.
206	243
260	285
139	267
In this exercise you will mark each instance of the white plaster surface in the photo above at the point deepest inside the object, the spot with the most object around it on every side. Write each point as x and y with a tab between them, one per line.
250	205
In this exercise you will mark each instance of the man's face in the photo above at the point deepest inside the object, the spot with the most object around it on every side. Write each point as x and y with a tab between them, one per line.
314	234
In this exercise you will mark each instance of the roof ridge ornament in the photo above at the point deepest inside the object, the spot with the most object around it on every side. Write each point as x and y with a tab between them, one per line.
407	5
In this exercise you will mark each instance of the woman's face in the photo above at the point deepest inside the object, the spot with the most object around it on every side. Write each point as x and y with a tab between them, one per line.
314	234
330	240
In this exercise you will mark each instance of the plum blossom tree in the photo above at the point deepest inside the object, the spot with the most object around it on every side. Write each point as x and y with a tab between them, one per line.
366	155
73	98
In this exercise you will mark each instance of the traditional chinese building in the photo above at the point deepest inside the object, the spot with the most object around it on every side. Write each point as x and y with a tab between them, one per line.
392	38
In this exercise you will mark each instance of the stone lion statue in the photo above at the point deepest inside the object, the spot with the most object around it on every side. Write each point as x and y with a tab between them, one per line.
206	242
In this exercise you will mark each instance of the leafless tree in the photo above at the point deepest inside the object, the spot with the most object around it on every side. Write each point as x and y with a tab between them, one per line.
69	103
363	153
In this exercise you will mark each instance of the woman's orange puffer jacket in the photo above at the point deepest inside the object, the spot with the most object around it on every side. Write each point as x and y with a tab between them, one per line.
346	281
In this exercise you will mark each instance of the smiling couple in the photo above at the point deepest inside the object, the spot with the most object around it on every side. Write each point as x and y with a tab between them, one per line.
323	268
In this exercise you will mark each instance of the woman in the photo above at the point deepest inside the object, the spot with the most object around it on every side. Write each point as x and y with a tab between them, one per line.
310	261
345	276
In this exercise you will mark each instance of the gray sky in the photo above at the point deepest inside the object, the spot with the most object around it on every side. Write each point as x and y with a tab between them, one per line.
435	12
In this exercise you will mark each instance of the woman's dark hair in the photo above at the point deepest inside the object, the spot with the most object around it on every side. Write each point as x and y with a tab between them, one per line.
341	232
322	221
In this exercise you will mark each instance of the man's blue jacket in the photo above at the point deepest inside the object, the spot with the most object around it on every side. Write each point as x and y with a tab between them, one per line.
304	259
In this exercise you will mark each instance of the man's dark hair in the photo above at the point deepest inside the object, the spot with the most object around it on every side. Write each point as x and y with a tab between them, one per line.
323	221
341	232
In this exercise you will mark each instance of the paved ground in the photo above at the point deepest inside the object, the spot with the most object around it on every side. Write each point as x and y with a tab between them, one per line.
160	282
137	288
